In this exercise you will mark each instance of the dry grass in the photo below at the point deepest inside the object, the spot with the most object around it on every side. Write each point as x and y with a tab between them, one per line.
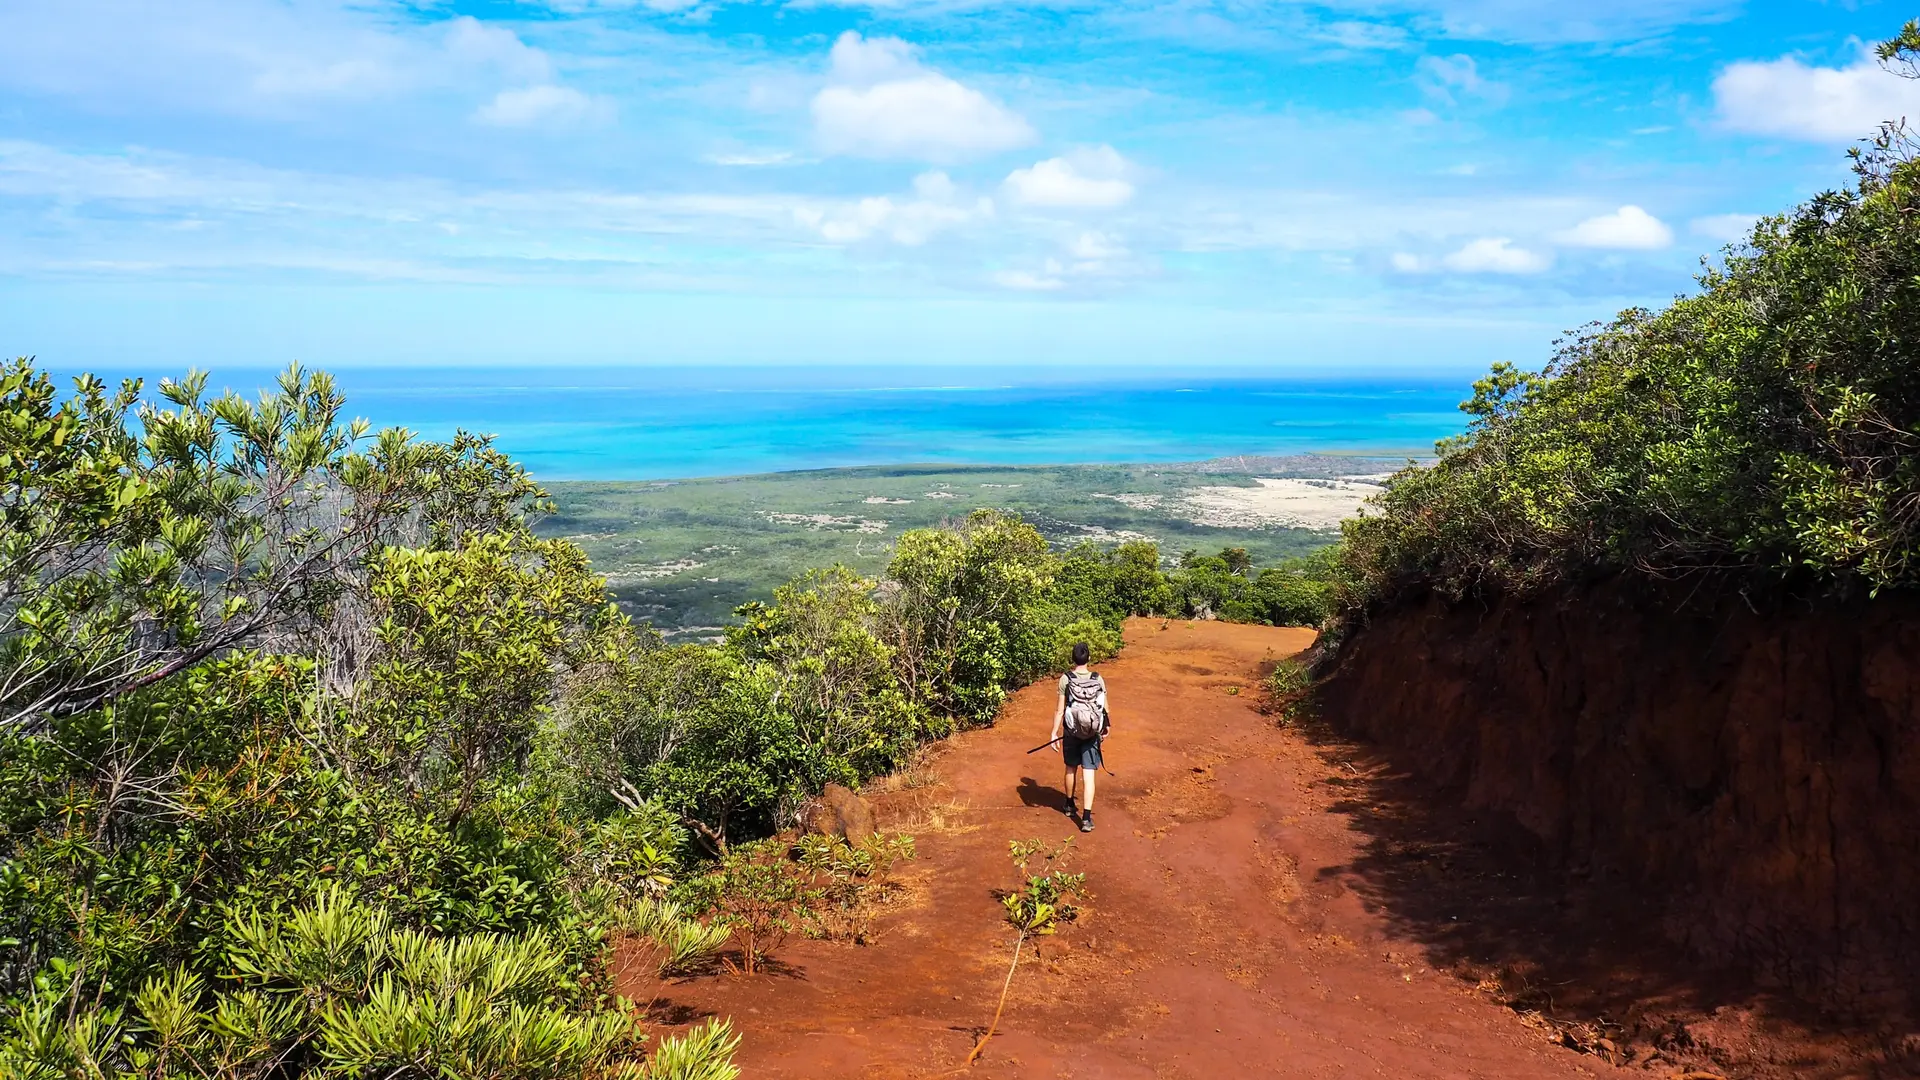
935	816
918	771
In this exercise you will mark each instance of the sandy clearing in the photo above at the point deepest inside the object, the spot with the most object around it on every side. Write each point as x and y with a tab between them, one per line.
818	522
653	571
1300	504
1132	499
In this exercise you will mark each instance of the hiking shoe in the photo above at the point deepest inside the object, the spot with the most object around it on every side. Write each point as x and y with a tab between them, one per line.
1073	813
1086	821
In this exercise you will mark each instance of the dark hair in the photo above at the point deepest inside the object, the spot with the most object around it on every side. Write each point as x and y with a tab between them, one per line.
1080	653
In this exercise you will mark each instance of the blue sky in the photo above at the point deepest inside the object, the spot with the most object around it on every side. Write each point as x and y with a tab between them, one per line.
1370	185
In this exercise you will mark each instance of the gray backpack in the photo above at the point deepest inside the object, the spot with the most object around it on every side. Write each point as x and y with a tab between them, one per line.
1084	718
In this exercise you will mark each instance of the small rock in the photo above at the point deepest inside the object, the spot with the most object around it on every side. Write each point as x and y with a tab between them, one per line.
838	812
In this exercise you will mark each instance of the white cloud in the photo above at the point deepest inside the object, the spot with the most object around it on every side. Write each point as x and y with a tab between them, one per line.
1535	22
1087	178
1495	255
666	6
937	205
1097	247
880	102
473	42
1628	228
754	158
1089	258
1725	228
1349	34
1446	78
1046	279
1408	264
1787	98
541	106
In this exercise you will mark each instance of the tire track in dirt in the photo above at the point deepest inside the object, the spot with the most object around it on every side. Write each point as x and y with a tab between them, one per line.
1223	938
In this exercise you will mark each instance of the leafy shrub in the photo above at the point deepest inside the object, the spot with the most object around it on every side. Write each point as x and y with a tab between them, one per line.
1289	690
963	612
1764	428
1046	895
1103	642
336	987
761	896
852	877
1043	900
681	943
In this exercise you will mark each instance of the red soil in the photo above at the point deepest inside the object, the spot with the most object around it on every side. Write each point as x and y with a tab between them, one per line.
1231	930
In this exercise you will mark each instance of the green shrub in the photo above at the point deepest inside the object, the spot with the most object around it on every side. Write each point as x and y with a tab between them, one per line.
761	896
1766	428
1102	641
336	987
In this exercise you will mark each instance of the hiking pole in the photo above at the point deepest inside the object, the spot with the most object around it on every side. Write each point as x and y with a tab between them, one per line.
1043	746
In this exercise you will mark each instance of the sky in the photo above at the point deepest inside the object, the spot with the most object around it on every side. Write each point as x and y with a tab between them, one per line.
1344	186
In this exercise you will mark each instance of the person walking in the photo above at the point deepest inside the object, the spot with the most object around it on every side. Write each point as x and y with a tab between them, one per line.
1080	721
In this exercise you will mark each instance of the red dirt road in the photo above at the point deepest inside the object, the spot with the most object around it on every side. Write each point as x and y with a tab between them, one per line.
1226	936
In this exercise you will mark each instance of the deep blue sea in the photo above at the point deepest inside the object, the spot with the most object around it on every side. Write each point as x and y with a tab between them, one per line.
662	423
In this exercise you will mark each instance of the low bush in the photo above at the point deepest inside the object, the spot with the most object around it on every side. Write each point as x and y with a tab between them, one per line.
853	878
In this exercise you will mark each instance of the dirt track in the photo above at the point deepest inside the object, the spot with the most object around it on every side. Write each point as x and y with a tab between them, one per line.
1227	936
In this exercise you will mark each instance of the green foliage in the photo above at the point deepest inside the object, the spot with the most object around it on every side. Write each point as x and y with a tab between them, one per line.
1102	641
1297	592
1047	893
964	613
1766	428
127	556
1289	690
244	658
852	877
316	759
334	987
701	1053
761	896
683	944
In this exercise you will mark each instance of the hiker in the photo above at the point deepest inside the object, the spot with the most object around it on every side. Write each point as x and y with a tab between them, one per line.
1079	723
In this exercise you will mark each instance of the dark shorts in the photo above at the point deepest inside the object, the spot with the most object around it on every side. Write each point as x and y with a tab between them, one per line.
1080	753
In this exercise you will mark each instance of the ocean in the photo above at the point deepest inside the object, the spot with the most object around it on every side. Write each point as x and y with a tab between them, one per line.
668	423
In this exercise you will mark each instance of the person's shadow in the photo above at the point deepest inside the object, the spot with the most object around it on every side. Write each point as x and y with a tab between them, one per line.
1032	794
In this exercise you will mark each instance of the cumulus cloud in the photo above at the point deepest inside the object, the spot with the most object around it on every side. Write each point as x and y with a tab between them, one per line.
1088	178
881	102
1789	99
545	105
936	205
1495	255
1628	228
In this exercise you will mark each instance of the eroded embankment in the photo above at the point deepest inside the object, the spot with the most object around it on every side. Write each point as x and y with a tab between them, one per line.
1754	770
